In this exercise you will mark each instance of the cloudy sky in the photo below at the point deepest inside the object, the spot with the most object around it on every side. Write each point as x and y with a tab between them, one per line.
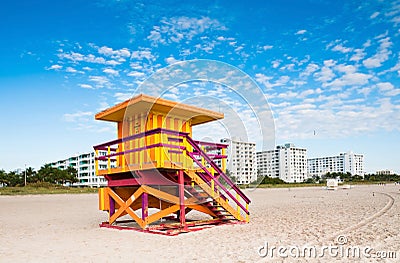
328	69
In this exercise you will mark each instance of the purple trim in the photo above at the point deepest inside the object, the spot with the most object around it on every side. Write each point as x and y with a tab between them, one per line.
145	206
171	139
105	157
106	149
214	156
112	206
174	151
140	135
181	198
123	182
219	145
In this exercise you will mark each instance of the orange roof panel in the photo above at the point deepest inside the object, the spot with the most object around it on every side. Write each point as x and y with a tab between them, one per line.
145	103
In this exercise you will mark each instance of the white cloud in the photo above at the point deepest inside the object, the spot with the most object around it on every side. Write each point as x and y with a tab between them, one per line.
288	95
276	63
111	71
112	62
122	96
326	73
74	56
54	67
367	43
350	79
381	56
86	86
124	52
393	92
171	96
78	116
359	55
341	48
71	70
365	91
346	68
372	62
282	81
394	12
374	15
136	74
336	118
171	60
266	47
144	53
311	68
222	38
385	86
263	79
176	29
395	68
306	93
298	82
103	105
289	67
100	81
329	63
90	58
301	32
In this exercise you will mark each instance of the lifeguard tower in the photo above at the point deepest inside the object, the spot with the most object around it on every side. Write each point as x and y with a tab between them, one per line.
161	173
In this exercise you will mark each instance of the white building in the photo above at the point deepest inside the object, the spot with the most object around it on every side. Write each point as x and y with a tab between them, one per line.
241	161
342	163
385	172
85	165
286	162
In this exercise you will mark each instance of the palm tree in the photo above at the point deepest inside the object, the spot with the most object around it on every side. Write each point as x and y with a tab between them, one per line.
3	178
31	175
46	173
14	179
72	174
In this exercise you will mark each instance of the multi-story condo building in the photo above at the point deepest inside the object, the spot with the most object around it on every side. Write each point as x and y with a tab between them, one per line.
385	172
241	161
342	163
286	162
85	165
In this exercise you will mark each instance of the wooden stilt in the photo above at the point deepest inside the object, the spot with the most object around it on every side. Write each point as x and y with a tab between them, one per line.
182	199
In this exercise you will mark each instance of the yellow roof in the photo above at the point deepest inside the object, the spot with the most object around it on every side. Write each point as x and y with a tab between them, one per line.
145	103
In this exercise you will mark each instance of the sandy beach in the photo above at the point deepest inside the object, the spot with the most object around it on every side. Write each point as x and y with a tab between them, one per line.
65	228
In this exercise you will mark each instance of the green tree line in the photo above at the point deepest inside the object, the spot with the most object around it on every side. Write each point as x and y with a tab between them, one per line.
346	177
46	174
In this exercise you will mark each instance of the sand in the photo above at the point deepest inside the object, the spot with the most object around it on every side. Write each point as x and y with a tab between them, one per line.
64	228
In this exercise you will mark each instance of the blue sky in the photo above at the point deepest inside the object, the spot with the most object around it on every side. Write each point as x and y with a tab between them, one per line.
326	66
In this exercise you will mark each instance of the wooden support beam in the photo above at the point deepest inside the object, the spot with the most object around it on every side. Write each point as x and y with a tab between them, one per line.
162	213
125	206
182	198
160	194
145	206
112	204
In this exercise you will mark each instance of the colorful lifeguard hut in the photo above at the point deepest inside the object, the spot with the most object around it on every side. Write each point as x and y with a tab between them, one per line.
161	173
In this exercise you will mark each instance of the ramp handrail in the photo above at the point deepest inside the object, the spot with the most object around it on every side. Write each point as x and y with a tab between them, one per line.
216	167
